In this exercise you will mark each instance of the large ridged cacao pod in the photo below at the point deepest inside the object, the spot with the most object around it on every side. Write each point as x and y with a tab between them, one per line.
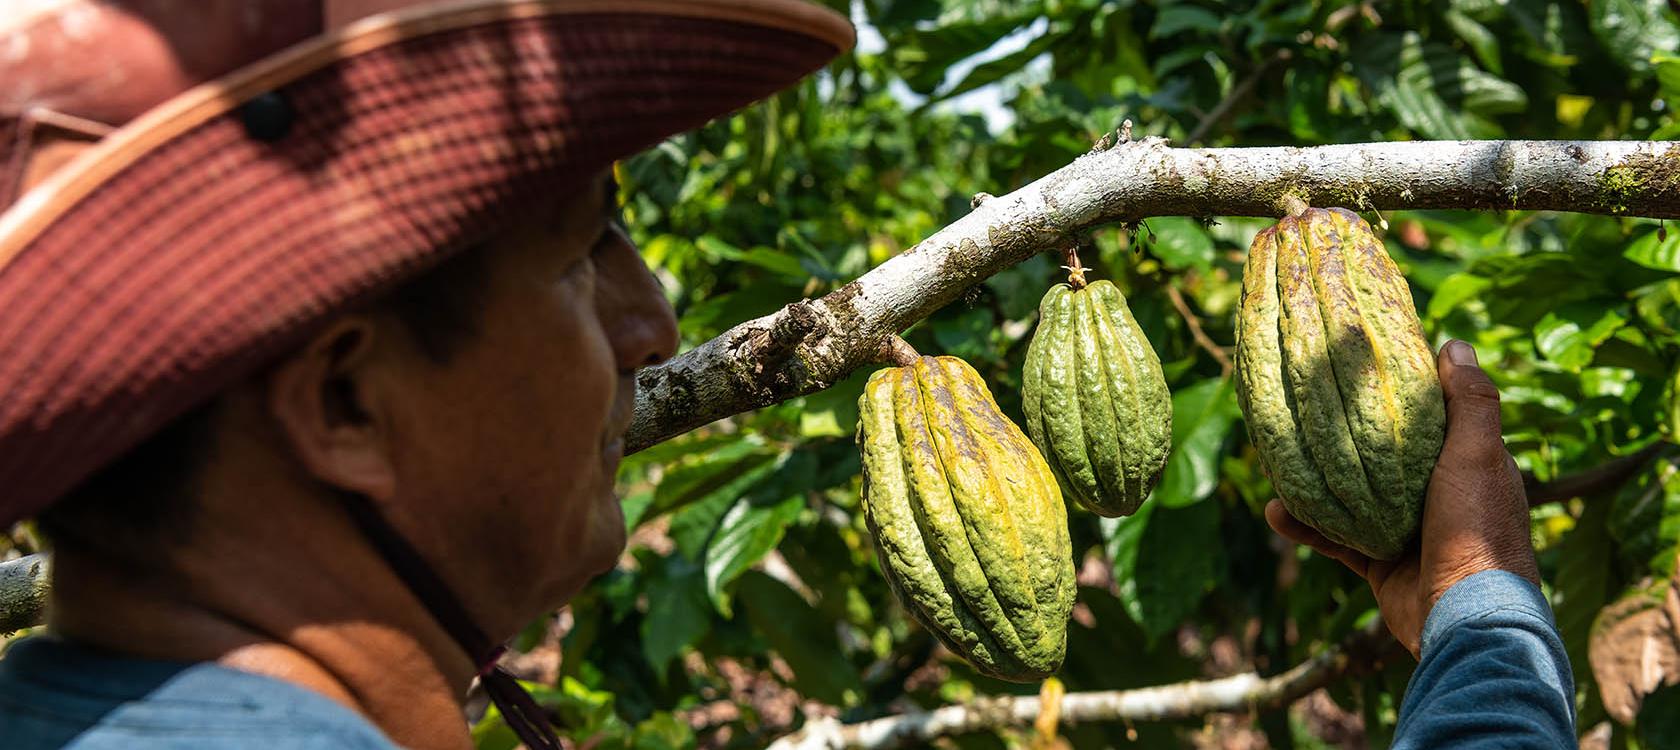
966	518
1096	401
1338	385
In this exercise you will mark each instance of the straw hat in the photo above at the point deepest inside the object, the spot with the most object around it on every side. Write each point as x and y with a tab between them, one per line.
166	241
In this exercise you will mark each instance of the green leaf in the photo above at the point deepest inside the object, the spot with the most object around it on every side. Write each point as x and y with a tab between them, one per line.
726	470
924	55
802	637
1181	243
1165	561
1455	292
1481	41
1633	31
776	262
1668	77
1433	90
1570	334
1202	417
1179	17
1658	306
754	525
1652	251
990	72
678	612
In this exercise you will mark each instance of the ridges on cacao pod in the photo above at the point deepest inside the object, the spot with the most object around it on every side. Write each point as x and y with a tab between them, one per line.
966	518
1336	381
1096	400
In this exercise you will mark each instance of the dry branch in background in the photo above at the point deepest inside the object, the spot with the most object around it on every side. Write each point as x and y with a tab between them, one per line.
810	344
1244	692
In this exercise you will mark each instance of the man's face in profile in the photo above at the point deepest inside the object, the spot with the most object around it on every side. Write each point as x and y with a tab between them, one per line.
514	444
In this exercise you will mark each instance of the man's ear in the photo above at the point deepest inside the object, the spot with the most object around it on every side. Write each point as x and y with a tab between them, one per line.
328	405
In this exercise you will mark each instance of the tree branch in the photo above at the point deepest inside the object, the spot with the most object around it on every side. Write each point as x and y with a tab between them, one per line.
810	344
23	592
1599	478
1244	692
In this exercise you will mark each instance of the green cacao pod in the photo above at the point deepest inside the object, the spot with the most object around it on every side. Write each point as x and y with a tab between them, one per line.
1335	379
1096	401
966	518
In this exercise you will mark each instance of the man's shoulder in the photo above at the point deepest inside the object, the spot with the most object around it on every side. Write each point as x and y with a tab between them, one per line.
54	694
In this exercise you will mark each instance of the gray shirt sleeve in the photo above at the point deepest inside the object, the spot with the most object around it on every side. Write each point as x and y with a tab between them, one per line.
1493	671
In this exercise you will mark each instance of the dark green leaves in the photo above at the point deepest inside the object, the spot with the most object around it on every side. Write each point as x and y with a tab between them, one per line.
1165	560
1433	90
796	632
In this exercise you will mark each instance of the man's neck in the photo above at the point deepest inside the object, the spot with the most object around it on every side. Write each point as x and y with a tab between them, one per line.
330	616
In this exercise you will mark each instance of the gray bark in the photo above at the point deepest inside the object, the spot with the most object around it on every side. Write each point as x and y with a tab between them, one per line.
24	584
808	345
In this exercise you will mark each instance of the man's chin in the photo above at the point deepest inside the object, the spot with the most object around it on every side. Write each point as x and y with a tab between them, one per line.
609	536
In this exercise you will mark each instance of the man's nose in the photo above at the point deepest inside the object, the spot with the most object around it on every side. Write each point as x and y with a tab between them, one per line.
639	321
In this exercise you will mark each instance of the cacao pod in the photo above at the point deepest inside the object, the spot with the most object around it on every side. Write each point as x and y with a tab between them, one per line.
966	518
1096	401
1337	384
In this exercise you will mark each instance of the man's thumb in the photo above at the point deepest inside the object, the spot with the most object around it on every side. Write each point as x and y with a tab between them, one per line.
1472	405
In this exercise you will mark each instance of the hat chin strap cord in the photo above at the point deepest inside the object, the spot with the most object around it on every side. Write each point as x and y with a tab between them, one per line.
527	720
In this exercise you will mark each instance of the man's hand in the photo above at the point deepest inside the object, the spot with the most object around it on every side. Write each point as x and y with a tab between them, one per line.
1475	516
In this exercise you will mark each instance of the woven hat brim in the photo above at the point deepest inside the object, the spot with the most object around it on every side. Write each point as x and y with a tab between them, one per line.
181	253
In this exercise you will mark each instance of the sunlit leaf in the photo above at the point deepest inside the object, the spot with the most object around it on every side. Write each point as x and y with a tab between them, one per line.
1180	243
1652	250
1202	418
1569	335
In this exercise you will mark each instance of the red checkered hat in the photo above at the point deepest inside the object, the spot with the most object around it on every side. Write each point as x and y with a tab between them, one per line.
207	229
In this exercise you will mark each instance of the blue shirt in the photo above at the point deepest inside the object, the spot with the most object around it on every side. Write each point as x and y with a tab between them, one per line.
1493	672
56	694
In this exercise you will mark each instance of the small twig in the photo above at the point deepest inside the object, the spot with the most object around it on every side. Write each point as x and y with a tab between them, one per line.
1237	94
1195	325
1240	693
1605	476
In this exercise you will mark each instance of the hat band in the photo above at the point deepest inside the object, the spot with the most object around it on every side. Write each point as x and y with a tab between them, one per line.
523	715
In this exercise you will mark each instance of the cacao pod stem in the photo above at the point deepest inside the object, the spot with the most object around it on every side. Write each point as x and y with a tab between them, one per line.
894	350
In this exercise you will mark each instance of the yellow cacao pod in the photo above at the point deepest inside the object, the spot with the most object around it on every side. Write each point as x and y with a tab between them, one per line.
966	518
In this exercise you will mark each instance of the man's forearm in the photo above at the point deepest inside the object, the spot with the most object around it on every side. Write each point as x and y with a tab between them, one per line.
1493	671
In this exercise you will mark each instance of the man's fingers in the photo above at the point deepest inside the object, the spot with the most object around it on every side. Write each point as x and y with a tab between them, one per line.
1472	408
1288	527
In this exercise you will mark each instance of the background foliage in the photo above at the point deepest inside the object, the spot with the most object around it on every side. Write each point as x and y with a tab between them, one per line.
750	599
